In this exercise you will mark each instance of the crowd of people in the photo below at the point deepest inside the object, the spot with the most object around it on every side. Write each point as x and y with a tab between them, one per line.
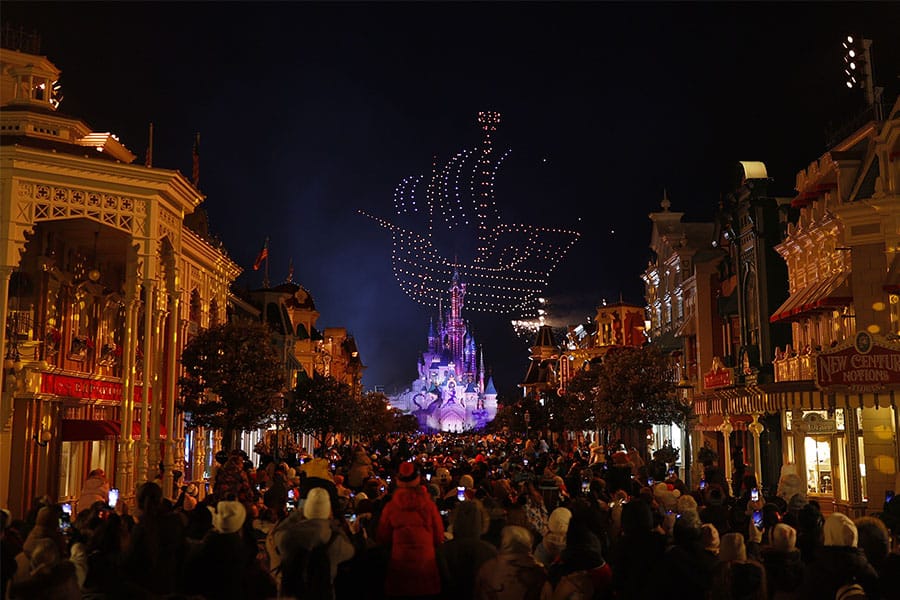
451	516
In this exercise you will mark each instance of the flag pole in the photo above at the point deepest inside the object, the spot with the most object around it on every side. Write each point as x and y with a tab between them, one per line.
148	159
266	276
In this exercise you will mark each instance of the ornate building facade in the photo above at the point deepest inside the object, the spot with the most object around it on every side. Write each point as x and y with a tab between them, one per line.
451	393
101	284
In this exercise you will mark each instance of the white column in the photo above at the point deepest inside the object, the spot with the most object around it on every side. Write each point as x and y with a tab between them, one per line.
726	430
756	428
171	389
141	472
158	399
125	459
6	391
798	429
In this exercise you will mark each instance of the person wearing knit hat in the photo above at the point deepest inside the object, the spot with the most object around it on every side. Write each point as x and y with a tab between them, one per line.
228	516
317	505
464	554
686	502
839	562
784	567
709	536
554	542
46	528
412	528
732	547
300	545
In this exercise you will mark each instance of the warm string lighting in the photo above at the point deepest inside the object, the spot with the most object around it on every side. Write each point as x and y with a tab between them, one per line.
512	262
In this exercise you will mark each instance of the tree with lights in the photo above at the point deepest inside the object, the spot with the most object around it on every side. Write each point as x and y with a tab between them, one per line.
320	405
634	390
373	415
238	366
573	410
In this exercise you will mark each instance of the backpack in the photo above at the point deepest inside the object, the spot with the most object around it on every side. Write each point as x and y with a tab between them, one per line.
306	572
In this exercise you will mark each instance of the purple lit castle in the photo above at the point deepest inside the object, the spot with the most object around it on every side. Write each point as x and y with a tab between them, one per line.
450	393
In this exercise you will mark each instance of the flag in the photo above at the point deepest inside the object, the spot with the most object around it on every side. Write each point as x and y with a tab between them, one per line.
148	159
263	255
195	173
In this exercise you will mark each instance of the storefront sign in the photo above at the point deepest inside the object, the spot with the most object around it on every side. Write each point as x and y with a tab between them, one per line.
868	364
718	378
71	386
815	423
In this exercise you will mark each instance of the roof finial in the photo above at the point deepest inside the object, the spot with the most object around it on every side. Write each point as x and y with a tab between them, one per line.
665	201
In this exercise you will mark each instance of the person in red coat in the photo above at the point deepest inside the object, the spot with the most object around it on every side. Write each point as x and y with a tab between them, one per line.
411	526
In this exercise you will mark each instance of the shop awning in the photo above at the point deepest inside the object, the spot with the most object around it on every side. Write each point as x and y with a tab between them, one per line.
785	310
84	430
834	292
831	292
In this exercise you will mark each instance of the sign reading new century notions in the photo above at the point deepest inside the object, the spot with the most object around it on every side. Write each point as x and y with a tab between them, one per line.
868	363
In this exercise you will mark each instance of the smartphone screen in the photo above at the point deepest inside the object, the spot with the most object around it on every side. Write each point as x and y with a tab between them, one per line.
758	519
428	476
702	484
650	481
290	494
113	497
754	494
460	493
585	486
888	496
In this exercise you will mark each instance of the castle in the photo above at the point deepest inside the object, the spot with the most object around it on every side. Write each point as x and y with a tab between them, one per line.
450	393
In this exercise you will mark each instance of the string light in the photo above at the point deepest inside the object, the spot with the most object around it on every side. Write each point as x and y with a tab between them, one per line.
512	263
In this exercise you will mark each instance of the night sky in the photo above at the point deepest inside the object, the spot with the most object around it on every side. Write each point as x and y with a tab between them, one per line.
309	113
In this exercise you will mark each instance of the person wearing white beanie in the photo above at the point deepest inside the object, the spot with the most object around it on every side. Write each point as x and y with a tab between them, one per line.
228	516
554	542
839	562
317	505
293	541
784	567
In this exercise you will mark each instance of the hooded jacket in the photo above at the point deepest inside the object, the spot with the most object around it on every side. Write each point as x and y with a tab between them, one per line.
411	525
96	489
784	570
836	566
465	554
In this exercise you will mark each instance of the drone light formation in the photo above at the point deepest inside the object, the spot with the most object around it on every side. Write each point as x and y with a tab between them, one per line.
510	264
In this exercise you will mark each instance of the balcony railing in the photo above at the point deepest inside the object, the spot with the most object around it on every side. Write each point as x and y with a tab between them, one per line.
796	367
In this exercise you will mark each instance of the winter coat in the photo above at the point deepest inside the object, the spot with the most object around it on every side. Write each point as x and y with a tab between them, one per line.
512	577
223	554
411	525
836	566
296	535
632	558
464	555
691	566
95	489
784	571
